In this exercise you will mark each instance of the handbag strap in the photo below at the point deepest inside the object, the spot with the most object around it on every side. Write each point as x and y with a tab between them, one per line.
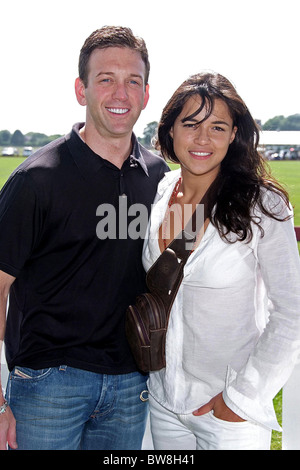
166	274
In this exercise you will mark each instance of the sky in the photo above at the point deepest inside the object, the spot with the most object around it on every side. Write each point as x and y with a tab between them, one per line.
254	43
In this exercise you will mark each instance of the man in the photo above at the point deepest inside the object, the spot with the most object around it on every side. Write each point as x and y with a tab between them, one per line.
73	381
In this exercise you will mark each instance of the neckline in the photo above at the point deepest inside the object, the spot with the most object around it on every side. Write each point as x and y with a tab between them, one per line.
163	225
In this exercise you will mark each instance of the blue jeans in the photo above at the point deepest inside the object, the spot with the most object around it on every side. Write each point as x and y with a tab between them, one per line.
65	408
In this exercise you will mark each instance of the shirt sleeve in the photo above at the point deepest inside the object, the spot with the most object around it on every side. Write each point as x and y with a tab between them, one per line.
19	223
250	391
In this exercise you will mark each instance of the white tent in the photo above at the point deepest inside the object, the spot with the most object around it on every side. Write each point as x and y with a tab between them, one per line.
287	138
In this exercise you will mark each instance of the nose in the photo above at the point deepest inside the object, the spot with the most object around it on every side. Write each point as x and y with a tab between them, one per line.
120	92
202	134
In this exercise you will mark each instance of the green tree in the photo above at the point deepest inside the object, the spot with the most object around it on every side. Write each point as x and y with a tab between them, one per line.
274	124
5	137
36	139
17	139
281	123
293	122
149	133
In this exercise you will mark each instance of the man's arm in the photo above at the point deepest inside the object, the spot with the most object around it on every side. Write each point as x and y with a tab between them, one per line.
7	420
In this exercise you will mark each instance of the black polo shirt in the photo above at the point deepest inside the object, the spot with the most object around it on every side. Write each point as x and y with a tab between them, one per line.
72	288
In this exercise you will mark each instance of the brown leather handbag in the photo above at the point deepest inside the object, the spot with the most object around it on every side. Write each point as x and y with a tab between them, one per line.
147	320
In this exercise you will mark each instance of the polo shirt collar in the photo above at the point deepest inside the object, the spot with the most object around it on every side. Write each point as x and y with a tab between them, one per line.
89	162
136	155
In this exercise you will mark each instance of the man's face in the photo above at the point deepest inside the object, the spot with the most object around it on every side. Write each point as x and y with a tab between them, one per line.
116	92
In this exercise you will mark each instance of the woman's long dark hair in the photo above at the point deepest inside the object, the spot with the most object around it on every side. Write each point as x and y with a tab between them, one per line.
244	172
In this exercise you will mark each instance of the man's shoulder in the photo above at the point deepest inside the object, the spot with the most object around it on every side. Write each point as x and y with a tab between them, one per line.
152	158
45	156
41	167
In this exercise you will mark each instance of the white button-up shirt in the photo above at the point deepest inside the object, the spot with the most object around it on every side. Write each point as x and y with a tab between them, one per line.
235	322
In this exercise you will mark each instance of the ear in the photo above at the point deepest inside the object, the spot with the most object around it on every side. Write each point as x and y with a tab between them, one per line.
80	91
146	96
234	131
171	132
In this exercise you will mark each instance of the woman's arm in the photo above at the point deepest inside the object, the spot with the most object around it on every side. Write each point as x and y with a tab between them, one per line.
250	391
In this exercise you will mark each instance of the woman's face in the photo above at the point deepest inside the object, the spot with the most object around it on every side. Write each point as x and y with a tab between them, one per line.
202	147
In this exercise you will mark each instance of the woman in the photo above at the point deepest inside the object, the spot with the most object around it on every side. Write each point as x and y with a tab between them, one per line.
234	330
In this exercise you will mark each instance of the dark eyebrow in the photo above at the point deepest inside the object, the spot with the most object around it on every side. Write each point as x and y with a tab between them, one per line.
112	73
221	122
190	120
136	75
104	73
199	122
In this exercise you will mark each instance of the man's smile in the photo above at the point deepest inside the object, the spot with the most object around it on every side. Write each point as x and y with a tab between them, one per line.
118	110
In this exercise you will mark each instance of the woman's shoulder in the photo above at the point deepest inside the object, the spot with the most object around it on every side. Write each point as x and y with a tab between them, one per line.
275	202
169	179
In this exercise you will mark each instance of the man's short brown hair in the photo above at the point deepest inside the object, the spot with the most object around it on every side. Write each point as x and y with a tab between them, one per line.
111	36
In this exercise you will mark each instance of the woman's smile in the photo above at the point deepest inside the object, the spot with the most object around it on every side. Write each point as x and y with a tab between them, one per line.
201	142
200	155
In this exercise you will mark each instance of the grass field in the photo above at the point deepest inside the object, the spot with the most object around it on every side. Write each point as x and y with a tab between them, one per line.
287	172
7	165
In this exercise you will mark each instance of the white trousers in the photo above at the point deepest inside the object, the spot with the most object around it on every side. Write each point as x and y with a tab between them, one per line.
172	431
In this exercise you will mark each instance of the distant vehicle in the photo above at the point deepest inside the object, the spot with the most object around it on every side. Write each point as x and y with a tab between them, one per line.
27	151
275	156
9	152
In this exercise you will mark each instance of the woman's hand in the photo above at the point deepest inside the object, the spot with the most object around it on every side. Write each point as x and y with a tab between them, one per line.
7	430
220	409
